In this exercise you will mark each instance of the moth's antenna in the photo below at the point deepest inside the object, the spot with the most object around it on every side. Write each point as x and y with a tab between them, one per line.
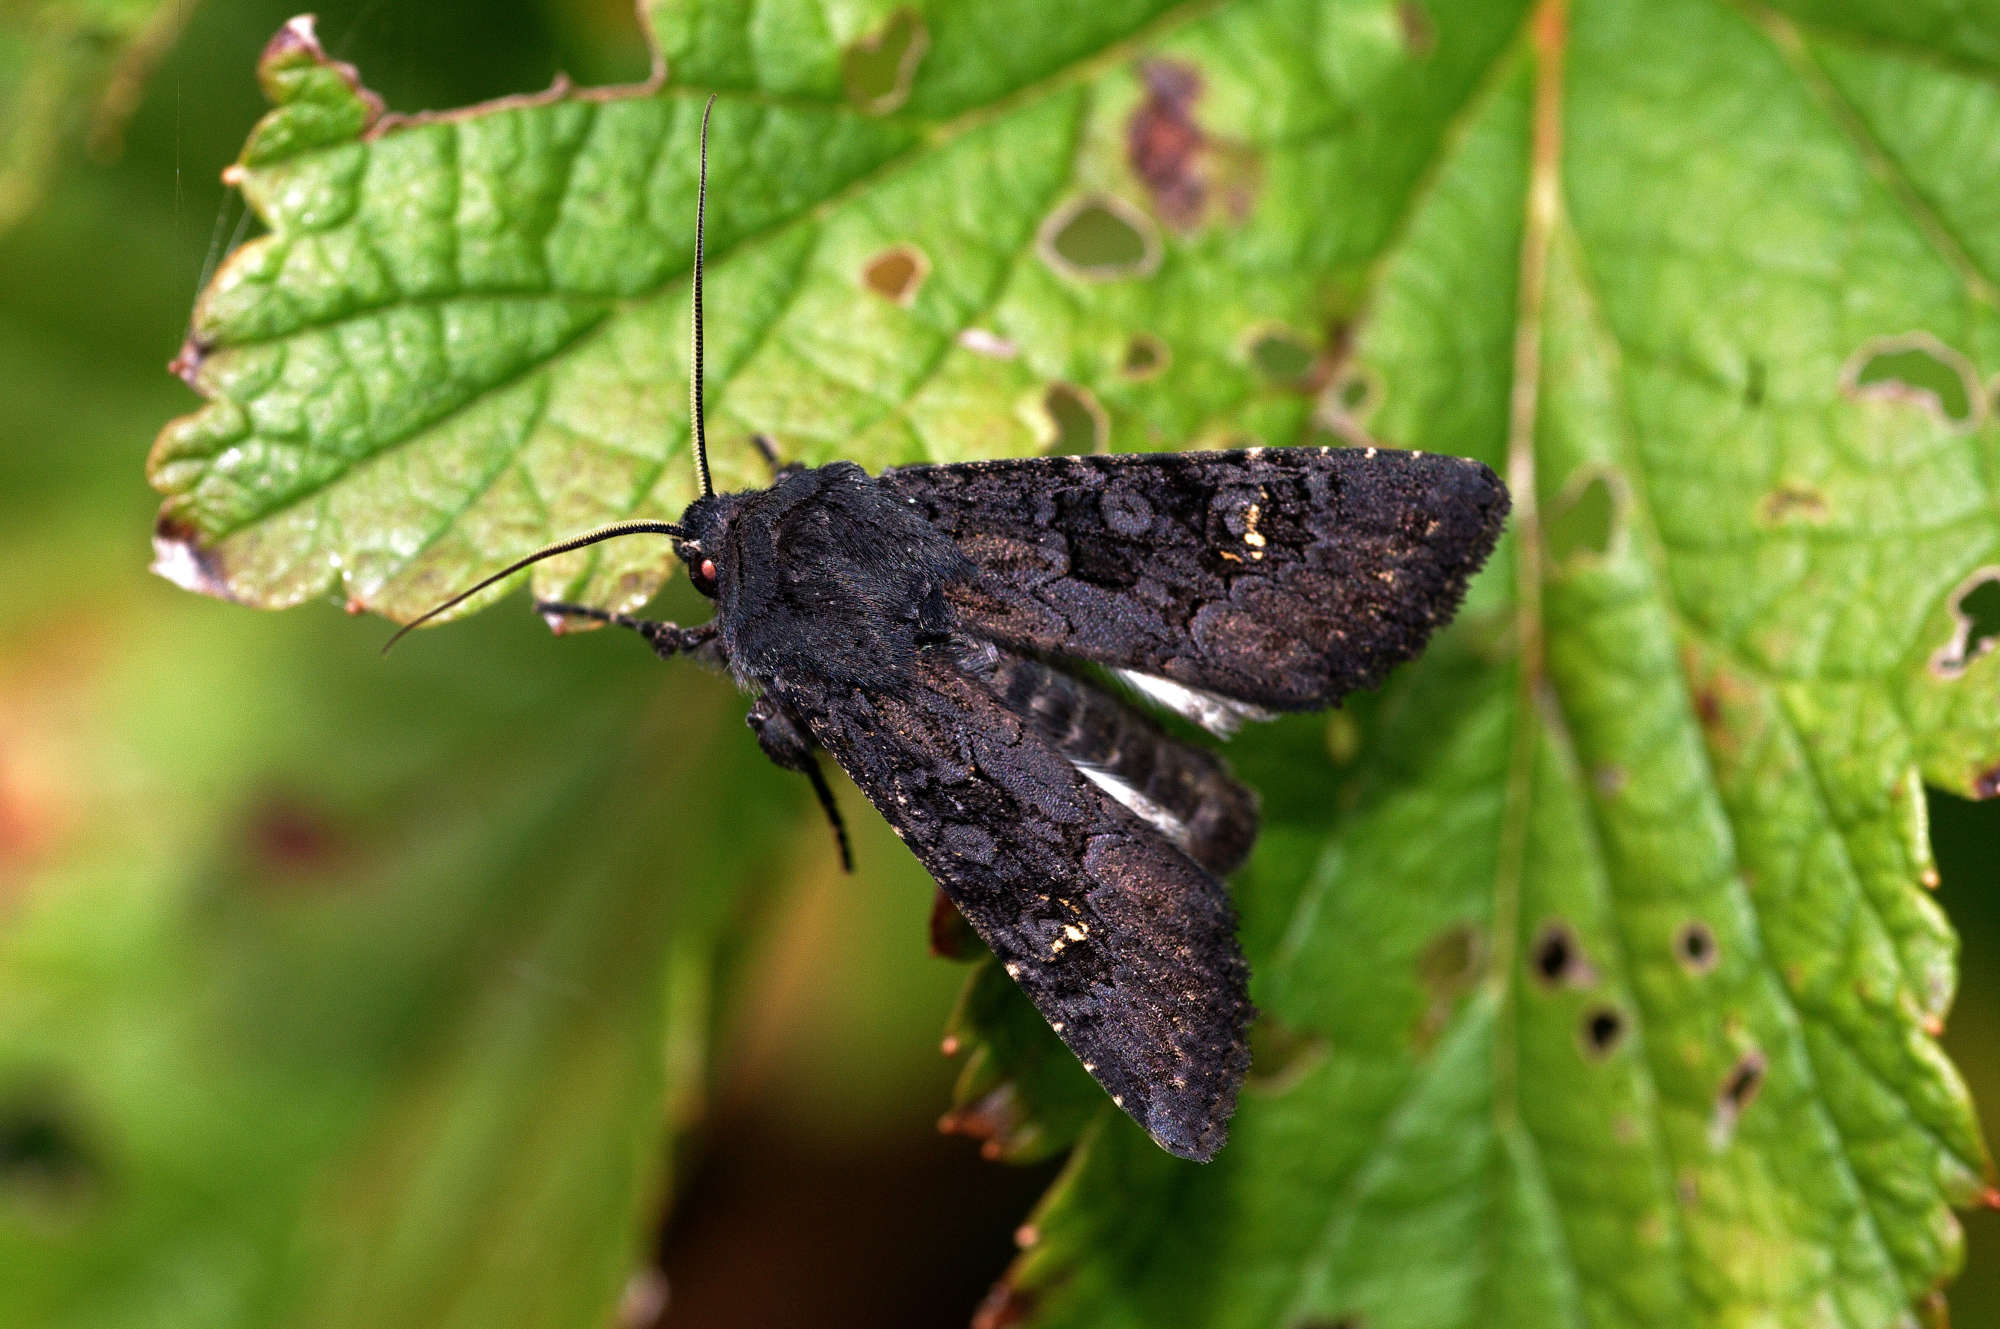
611	532
694	393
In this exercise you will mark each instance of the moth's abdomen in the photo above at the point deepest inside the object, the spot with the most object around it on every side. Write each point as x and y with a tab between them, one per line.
1184	790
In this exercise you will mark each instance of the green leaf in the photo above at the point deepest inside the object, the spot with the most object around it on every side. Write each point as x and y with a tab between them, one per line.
1600	975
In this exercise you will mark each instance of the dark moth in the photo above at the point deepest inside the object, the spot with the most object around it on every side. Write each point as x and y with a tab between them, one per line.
947	635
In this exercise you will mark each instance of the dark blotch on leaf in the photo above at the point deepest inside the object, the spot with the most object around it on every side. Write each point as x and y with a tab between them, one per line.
1164	144
1753	384
952	938
1695	947
288	838
1917	368
1745	1079
878	69
1580	522
1793	503
1280	1056
1099	239
1556	955
1419	33
1603	1030
43	1162
1077	420
1450	965
897	274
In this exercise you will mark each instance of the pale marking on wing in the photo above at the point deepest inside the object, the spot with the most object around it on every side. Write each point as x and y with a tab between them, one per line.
1219	715
1140	806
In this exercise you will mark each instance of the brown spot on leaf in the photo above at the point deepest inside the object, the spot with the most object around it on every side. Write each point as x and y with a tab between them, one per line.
178	556
1099	238
1283	356
1739	1091
288	839
1164	144
897	274
1419	33
1281	1056
878	69
1146	356
1449	967
1793	503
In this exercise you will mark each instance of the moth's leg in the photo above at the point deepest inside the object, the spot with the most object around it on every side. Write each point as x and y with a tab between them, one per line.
787	745
666	639
769	452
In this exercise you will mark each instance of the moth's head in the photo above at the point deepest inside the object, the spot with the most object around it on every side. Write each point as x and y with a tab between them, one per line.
703	526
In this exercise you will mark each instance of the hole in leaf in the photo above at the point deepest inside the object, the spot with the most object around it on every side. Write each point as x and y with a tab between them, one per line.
43	1163
1450	964
1356	392
1975	606
1695	946
1580	522
1448	968
1916	368
1603	1031
1100	239
1145	357
878	69
1282	356
897	274
1419	34
1076	423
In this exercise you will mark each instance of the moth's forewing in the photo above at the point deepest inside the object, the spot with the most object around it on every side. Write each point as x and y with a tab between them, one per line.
1283	577
1121	941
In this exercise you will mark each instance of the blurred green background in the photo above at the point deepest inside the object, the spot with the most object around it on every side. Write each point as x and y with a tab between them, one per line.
191	792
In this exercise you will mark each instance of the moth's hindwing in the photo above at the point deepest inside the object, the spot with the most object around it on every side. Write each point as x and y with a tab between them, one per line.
1280	577
1124	944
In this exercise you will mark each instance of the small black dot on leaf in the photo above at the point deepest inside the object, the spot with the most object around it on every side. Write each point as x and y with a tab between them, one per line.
1745	1079
1556	956
1603	1030
1695	946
